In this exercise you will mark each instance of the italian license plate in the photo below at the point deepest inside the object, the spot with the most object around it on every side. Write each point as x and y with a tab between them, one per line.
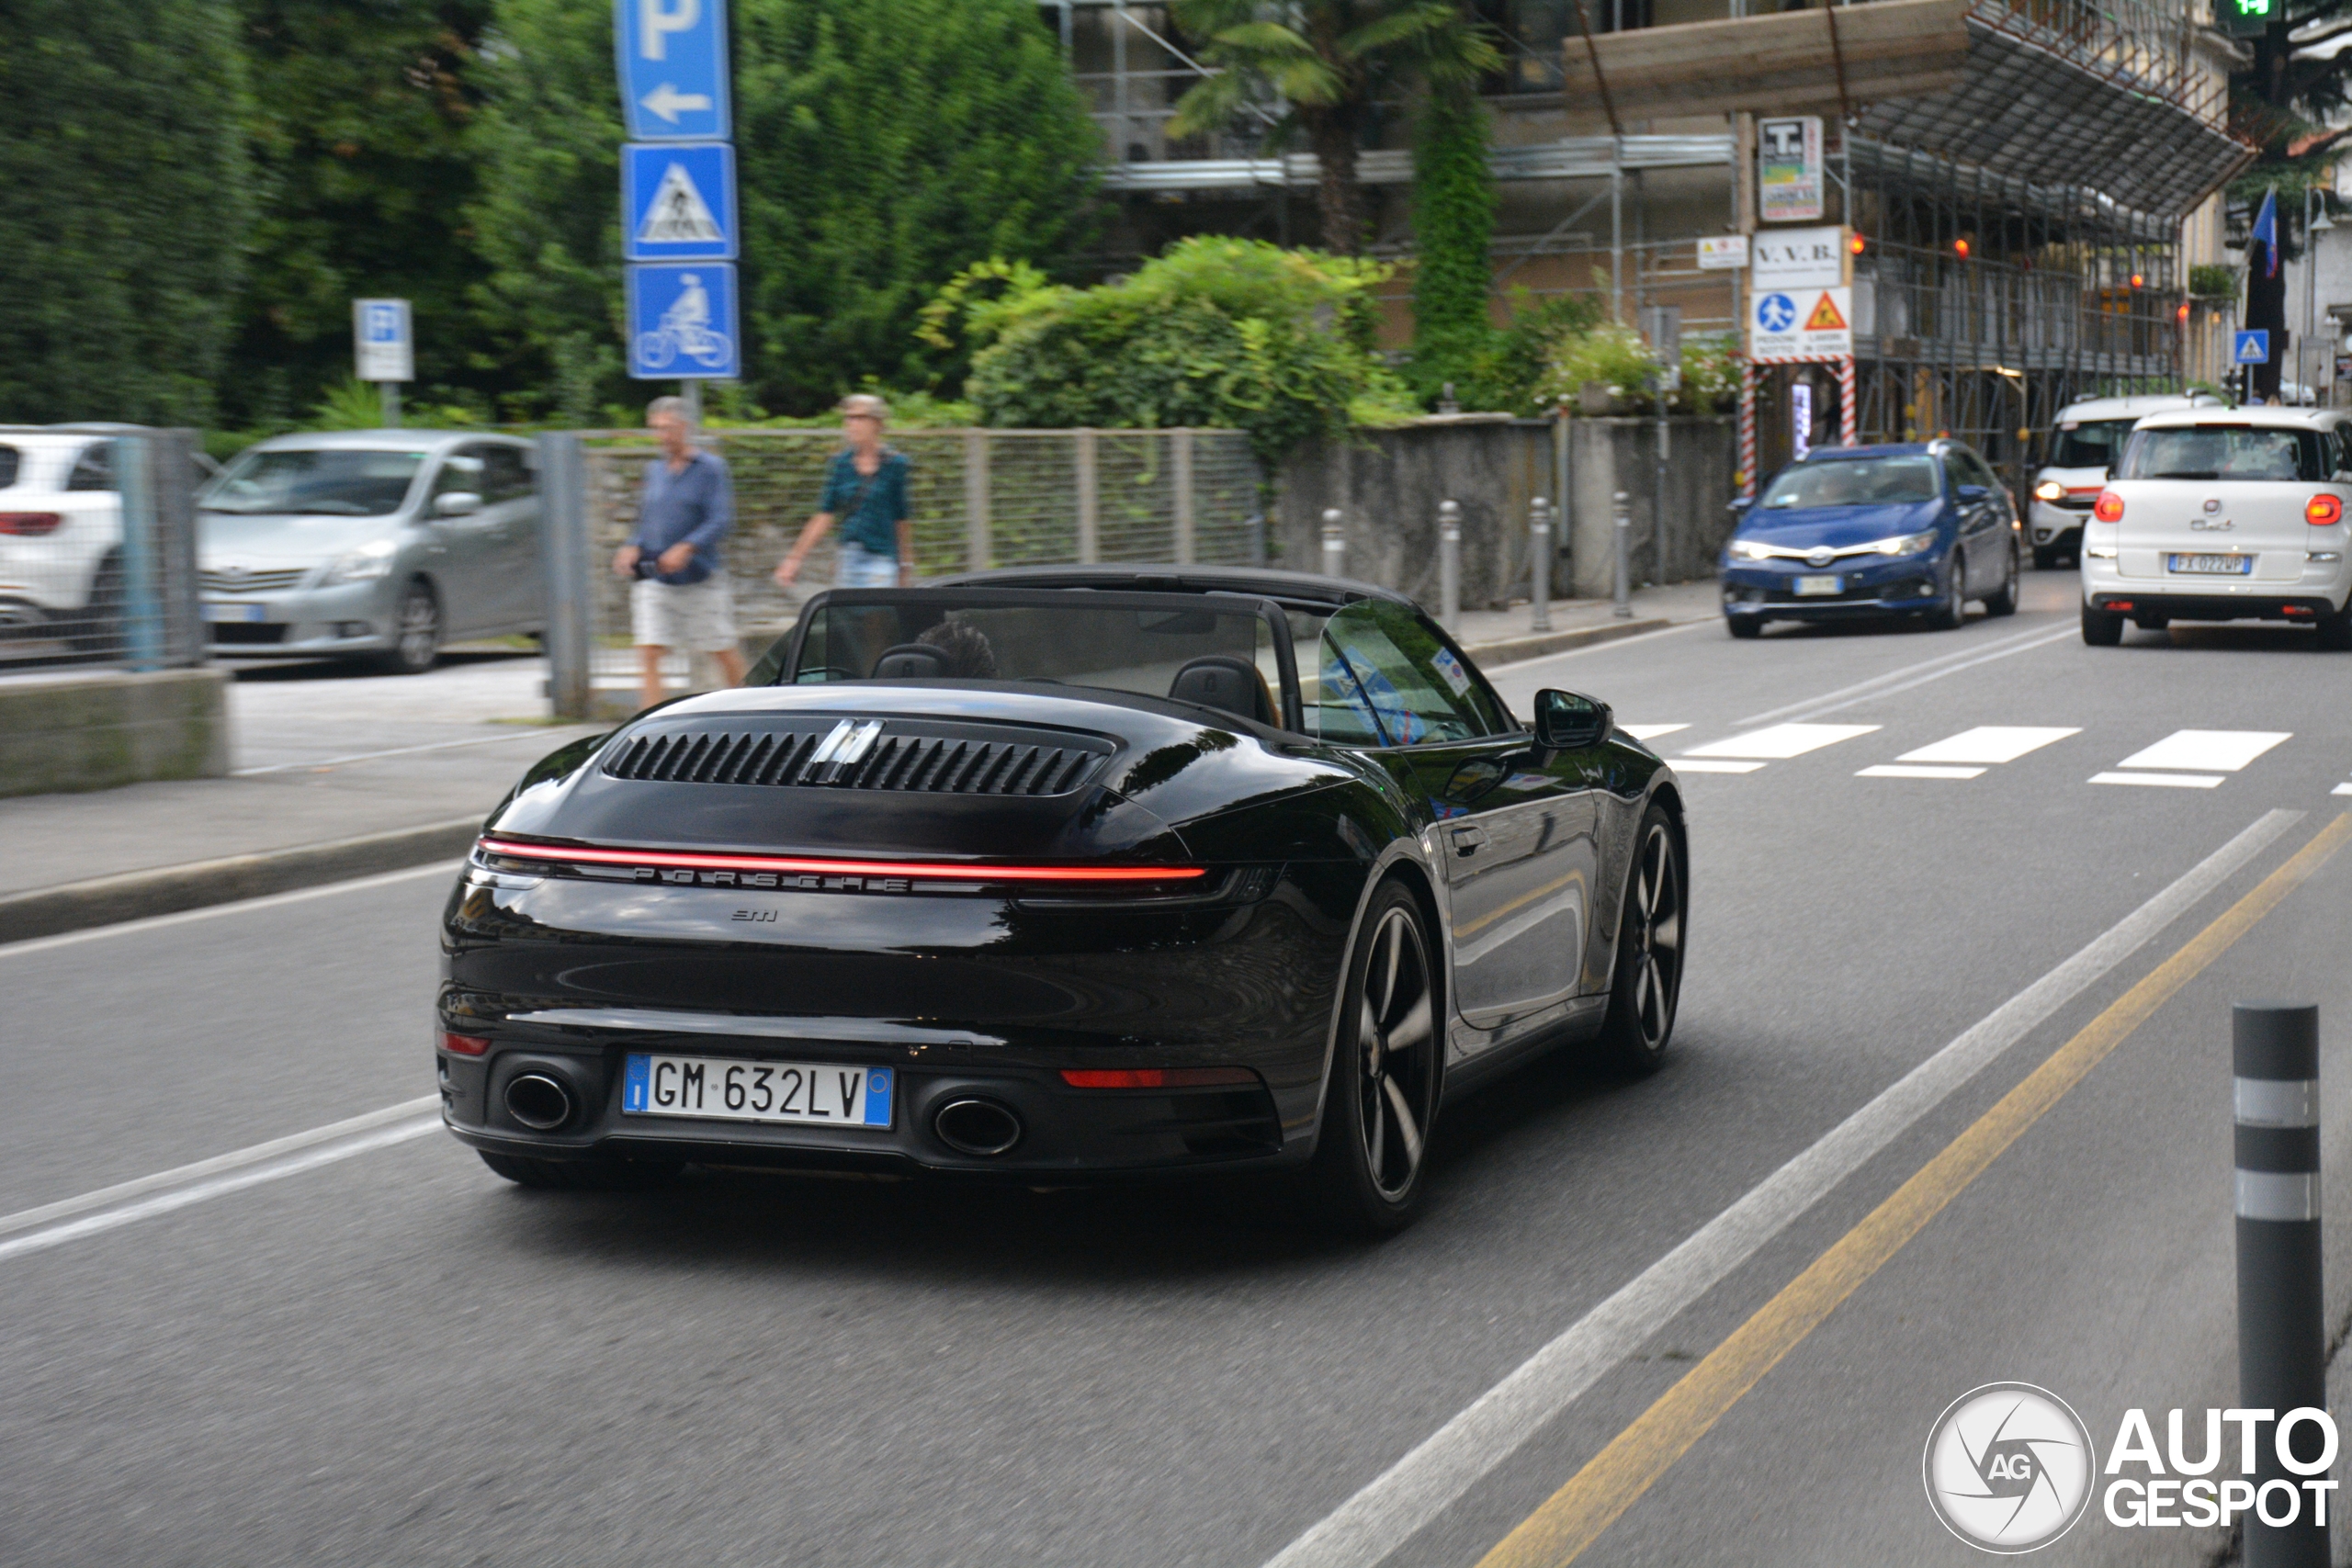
2211	566
1809	586
720	1088
235	612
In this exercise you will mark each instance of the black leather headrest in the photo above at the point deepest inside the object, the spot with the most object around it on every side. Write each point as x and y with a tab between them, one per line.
1224	682
911	662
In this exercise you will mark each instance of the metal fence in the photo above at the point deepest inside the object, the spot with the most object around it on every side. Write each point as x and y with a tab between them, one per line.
979	497
97	546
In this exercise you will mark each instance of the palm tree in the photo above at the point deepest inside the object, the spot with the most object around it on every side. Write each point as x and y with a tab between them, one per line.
1326	60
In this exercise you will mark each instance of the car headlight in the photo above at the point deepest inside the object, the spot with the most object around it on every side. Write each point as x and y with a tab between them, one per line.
1906	545
364	564
2050	489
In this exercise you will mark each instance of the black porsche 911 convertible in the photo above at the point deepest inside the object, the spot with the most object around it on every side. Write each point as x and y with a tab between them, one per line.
1064	873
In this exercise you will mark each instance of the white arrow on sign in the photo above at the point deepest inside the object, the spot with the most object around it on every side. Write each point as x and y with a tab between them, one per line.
666	101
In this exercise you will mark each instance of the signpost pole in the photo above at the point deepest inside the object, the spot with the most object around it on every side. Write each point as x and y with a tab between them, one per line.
390	393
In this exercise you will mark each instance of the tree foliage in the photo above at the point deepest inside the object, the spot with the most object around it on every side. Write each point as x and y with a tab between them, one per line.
1215	333
883	145
124	202
359	132
1454	226
1326	63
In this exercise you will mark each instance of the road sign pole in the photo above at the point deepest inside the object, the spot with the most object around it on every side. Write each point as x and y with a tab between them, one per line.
389	392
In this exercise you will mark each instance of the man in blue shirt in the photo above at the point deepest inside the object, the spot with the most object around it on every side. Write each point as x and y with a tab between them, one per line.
680	597
866	493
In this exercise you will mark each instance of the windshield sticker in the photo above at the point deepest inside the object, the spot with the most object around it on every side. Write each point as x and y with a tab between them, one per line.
1450	668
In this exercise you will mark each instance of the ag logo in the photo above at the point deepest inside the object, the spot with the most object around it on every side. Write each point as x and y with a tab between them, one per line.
2008	1467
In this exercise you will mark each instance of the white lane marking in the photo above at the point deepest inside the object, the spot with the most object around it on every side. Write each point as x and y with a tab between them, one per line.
524	734
2207	751
242	906
163	1202
1914	771
1783	741
2342	789
1650	731
1908	676
1702	765
2161	781
1988	743
1404	1497
236	1159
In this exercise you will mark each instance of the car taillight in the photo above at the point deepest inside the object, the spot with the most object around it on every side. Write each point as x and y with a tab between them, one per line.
1156	1077
465	1044
2108	507
30	525
2322	510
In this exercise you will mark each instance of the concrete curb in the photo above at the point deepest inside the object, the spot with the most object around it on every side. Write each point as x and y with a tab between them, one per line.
1537	644
165	890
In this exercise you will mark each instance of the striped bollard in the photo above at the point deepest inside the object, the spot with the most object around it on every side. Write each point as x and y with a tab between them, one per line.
2282	1337
1335	543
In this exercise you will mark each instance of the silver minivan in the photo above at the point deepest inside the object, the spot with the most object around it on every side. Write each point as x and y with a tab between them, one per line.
381	544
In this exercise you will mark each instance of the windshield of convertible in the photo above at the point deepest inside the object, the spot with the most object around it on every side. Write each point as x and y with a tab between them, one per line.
2226	452
1375	673
1853	481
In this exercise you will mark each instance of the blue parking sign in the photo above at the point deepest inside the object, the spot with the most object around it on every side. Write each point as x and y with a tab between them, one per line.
673	60
678	201
682	321
2253	346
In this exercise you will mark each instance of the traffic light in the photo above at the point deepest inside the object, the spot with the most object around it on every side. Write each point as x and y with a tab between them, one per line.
2247	19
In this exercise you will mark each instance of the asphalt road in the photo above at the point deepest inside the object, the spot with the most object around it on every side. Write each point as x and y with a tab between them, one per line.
394	1357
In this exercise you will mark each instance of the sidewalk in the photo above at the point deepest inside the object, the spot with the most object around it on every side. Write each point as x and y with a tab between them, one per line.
337	775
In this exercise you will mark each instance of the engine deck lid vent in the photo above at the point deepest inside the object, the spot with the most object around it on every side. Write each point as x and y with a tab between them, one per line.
920	756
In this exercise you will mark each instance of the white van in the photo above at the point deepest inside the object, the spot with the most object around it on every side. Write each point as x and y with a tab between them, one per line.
2083	448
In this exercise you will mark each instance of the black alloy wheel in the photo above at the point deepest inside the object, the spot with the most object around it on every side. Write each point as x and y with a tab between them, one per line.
2003	600
583	1175
1647	987
2102	628
1948	615
1381	1097
416	633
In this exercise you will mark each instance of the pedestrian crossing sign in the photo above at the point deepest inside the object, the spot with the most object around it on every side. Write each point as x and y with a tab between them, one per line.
678	201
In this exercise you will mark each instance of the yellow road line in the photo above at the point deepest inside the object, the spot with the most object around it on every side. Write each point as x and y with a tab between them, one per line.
1575	1516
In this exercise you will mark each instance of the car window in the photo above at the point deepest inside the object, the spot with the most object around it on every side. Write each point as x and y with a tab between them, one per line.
2226	452
505	476
93	469
1853	481
339	482
462	470
2089	444
12	463
1956	469
1384	678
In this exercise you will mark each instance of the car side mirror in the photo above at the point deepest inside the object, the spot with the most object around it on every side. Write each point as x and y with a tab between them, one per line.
456	503
1973	493
1567	721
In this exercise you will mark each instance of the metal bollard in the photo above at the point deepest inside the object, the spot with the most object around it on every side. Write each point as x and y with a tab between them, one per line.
1539	564
1335	543
1622	526
1449	565
2282	1338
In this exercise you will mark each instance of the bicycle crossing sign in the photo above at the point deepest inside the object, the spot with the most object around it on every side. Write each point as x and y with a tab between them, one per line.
682	321
678	201
673	60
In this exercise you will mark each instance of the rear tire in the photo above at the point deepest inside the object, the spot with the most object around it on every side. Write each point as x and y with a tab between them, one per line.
1744	627
2335	631
583	1175
1646	984
2003	600
2101	628
1381	1097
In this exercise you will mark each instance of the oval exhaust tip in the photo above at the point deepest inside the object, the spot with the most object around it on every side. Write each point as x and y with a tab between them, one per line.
978	1127
539	1101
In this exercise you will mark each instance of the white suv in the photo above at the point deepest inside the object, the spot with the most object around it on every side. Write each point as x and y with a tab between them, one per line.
2224	514
2083	445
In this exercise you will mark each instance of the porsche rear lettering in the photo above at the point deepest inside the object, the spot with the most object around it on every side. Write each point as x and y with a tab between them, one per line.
782	880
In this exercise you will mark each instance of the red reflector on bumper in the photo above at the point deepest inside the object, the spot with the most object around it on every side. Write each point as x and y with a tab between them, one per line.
681	860
1156	1077
2297	609
465	1044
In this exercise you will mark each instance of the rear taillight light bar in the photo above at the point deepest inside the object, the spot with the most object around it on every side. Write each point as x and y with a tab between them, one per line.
30	525
680	860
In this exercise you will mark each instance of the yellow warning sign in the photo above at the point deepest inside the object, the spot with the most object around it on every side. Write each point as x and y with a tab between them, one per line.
1826	318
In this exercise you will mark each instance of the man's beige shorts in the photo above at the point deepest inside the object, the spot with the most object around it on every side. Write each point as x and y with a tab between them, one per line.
698	617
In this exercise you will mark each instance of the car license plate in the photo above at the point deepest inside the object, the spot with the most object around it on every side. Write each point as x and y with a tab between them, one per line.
2211	566
1807	586
235	612
726	1089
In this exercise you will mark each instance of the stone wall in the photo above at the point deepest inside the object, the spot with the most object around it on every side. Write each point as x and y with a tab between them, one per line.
97	731
1388	484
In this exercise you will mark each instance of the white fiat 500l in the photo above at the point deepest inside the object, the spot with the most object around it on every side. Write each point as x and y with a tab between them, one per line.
2221	514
